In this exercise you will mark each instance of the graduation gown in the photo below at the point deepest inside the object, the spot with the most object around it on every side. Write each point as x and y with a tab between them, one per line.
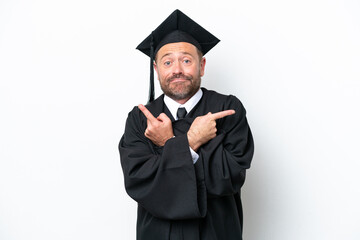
178	199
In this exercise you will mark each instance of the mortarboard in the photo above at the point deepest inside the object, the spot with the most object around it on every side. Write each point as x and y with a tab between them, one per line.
176	28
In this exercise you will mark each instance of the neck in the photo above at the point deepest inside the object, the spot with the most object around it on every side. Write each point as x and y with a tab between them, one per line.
182	101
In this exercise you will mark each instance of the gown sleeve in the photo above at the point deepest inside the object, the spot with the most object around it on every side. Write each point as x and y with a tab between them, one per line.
229	154
161	179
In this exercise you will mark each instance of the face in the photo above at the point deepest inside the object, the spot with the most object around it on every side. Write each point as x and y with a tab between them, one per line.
179	68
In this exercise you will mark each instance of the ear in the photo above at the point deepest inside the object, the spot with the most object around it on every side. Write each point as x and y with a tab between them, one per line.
156	70
202	66
155	66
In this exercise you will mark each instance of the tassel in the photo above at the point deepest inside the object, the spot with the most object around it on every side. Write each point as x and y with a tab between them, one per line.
151	88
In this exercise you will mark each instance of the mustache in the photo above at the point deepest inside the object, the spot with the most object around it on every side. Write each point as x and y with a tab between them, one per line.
182	76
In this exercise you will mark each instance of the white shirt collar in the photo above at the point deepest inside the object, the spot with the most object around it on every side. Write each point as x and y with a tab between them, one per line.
189	105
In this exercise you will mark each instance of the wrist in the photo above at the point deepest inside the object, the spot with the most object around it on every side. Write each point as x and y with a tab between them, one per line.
192	141
165	140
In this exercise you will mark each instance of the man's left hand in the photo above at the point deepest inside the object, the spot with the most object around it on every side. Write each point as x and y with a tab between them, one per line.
159	129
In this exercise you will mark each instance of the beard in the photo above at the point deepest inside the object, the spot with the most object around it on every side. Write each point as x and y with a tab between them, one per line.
181	90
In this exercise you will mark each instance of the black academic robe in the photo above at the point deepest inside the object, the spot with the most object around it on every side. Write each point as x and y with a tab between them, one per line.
176	198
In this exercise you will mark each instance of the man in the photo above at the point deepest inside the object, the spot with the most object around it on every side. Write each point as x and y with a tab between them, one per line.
184	155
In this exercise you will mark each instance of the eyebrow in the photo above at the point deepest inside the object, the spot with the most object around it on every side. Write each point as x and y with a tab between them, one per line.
184	53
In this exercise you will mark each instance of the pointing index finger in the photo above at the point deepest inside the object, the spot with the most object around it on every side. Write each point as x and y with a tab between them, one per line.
222	114
146	112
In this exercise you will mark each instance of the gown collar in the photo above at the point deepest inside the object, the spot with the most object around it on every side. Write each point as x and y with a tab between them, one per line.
189	105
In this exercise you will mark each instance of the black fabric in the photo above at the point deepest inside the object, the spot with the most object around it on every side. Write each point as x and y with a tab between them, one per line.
177	36
181	113
177	20
176	198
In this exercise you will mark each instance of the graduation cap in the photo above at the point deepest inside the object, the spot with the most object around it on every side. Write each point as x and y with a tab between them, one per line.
176	28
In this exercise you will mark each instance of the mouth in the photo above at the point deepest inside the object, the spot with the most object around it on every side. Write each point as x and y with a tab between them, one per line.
179	78
175	80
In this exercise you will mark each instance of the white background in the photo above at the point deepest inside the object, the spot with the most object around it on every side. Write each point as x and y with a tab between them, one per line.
69	74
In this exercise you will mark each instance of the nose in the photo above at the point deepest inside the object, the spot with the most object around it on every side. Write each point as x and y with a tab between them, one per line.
178	69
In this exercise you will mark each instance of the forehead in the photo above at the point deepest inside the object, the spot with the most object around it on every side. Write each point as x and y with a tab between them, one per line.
175	48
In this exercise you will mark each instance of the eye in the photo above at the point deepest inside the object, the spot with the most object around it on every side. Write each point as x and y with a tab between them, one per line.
167	63
187	61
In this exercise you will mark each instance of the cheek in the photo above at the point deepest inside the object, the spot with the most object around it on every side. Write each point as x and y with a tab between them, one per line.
160	73
196	70
162	77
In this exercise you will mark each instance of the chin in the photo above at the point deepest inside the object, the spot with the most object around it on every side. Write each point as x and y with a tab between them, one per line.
181	95
180	91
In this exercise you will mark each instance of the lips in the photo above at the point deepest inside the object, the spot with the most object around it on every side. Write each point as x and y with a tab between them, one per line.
179	78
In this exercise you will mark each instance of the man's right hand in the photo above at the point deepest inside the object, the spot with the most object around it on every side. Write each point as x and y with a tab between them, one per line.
203	129
159	129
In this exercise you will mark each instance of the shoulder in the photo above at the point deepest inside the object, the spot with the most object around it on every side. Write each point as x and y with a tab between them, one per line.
155	107
220	102
134	120
225	101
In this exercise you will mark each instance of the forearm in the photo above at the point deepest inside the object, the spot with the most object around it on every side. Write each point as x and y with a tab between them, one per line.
227	156
164	184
